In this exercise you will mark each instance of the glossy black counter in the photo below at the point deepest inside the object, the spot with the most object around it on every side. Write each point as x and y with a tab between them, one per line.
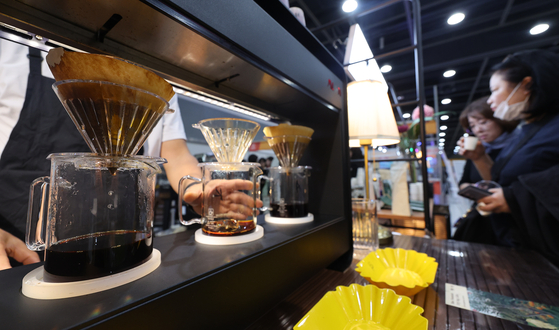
196	287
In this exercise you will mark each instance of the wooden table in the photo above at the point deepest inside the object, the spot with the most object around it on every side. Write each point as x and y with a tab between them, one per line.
514	273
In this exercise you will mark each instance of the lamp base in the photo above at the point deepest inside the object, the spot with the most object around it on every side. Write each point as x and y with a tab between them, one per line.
384	236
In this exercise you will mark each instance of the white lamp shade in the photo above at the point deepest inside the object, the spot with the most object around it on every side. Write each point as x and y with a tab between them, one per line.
370	115
357	49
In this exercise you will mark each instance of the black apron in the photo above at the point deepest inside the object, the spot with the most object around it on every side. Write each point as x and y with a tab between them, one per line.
43	128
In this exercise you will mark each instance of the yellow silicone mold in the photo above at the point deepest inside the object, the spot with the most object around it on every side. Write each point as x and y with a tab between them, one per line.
360	307
405	271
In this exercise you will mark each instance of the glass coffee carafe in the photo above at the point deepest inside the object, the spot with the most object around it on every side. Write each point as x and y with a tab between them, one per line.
230	192
93	215
289	191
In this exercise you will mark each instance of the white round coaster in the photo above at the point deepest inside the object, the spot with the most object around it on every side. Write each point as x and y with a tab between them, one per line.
288	221
34	286
200	237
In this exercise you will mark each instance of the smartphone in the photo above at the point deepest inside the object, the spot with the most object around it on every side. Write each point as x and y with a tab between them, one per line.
474	193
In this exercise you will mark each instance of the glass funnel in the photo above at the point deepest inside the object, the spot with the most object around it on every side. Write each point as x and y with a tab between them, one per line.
289	148
229	138
114	119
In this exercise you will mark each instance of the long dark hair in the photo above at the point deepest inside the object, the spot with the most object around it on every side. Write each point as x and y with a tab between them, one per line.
543	67
481	107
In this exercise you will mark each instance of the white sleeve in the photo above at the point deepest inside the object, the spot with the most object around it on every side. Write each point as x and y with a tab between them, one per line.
173	127
170	127
14	72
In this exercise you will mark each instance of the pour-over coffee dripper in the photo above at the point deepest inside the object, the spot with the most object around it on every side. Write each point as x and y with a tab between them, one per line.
289	148
114	120
228	138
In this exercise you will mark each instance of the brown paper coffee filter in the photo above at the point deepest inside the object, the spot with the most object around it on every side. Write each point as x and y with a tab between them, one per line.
287	129
288	142
113	119
66	65
289	148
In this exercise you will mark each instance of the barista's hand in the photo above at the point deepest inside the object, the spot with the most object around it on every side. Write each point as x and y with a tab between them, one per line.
11	246
232	200
475	154
495	203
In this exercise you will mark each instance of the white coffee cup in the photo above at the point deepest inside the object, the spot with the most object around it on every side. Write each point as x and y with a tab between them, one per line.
483	213
470	142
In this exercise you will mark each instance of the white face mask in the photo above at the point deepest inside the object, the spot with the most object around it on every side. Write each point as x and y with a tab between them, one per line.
505	111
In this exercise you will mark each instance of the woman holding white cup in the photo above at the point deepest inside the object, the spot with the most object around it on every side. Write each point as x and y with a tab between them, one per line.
490	135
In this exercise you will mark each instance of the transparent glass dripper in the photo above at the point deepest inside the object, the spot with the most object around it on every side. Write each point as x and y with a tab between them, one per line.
289	148
229	138
114	120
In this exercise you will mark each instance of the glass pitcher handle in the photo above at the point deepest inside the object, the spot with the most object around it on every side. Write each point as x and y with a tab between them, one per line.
37	214
258	192
182	190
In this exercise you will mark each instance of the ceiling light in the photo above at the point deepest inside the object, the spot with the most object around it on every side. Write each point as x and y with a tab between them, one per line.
406	115
441	144
456	18
540	28
349	6
385	68
442	140
446	101
443	128
444	117
449	73
441	134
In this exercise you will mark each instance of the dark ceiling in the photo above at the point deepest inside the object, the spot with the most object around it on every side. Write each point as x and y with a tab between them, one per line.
491	30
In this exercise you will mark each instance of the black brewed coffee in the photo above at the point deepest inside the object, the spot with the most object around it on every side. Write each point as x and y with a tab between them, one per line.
98	254
290	210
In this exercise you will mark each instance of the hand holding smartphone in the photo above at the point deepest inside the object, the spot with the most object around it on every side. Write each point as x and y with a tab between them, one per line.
474	193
